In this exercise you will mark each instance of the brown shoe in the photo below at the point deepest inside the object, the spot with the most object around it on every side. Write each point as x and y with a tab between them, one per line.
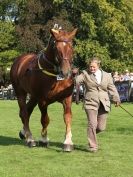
93	150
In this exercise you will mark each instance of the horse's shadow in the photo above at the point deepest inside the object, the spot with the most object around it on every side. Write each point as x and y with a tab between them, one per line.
7	141
57	146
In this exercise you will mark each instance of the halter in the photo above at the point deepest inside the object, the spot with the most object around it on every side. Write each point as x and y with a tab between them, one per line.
45	71
64	40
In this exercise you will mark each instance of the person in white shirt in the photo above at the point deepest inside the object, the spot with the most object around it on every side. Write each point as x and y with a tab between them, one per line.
126	75
116	76
98	85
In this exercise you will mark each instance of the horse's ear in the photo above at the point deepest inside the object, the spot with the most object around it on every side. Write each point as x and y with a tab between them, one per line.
73	33
54	32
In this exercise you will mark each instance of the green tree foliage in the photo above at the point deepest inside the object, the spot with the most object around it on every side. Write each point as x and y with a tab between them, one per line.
35	20
8	43
105	27
105	22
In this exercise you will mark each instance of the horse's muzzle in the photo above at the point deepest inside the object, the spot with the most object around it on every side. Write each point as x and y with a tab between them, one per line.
66	75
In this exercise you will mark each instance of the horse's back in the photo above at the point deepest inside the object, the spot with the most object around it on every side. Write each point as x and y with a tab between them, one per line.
20	67
21	64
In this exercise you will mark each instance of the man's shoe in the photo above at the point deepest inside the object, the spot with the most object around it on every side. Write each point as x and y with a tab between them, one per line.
93	150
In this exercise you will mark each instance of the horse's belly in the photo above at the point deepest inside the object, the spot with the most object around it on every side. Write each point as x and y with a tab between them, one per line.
45	88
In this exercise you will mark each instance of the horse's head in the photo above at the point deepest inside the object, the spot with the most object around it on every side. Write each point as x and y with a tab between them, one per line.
64	50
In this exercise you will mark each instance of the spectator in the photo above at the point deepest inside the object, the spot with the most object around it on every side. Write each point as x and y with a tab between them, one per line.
126	75
116	76
121	78
131	76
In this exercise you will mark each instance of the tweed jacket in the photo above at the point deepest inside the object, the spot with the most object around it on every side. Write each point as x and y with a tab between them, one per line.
96	93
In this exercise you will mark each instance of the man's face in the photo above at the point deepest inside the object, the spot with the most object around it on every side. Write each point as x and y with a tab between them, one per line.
93	67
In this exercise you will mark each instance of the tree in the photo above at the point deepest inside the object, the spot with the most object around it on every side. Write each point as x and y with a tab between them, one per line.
8	41
8	50
34	22
105	27
105	22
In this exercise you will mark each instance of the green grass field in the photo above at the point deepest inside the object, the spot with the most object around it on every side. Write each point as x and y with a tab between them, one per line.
114	159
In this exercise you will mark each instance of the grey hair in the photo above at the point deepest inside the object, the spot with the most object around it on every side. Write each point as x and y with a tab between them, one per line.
94	60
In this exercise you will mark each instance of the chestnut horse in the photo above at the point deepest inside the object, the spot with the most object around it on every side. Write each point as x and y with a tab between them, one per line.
46	78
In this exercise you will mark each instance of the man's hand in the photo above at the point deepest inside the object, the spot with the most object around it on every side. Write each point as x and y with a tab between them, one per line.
117	103
75	71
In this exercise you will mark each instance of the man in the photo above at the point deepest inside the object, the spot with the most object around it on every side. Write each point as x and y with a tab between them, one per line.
99	87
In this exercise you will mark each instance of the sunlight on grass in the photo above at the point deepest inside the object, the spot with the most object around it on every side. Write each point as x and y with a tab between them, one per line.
114	159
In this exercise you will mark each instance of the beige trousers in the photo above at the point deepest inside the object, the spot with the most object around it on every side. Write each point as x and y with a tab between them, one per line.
96	124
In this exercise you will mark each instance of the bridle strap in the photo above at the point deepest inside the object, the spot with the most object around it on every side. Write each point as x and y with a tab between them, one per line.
64	40
45	71
39	65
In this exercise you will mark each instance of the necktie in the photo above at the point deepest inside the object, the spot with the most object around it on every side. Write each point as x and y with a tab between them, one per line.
98	78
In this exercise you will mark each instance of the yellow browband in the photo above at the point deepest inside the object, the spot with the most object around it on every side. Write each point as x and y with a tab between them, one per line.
44	71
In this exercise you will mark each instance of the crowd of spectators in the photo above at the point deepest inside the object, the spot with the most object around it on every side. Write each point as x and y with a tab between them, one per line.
7	92
119	77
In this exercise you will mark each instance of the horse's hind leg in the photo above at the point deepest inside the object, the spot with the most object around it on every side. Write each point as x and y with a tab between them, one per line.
68	144
25	112
44	121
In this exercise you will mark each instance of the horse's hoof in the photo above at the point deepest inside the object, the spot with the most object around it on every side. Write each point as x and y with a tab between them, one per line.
68	147
22	137
31	144
43	144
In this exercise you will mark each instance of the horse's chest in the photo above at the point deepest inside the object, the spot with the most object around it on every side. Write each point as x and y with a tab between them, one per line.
61	90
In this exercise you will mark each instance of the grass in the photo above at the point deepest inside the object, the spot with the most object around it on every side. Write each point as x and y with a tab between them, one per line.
114	159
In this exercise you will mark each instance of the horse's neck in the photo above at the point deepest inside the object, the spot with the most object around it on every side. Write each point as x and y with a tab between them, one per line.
47	59
50	53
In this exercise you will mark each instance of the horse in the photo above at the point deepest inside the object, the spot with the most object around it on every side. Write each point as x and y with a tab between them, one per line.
46	77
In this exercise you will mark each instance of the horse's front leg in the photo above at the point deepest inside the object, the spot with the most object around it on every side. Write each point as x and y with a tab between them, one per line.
68	144
44	141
